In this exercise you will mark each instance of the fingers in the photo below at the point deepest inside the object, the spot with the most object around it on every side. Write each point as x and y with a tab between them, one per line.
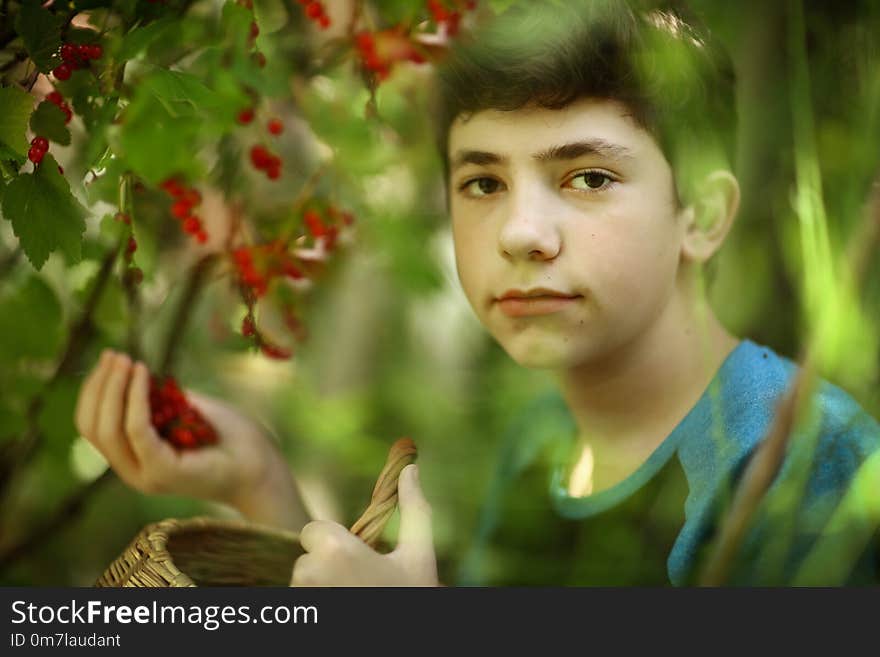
100	409
156	457
416	537
90	396
304	571
109	431
324	536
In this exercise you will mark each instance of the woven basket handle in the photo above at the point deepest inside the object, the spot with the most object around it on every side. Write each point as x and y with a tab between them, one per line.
384	500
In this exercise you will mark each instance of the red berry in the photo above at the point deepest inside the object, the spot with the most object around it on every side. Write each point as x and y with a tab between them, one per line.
201	237
55	98
191	225
69	53
324	21
35	155
131	247
314	10
245	116
172	187
192	196
180	208
135	275
275	352
260	59
247	327
275	127
41	143
365	42
273	172
62	71
313	221
123	217
67	113
255	30
260	157
96	51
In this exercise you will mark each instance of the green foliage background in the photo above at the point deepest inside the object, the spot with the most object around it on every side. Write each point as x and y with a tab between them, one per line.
393	348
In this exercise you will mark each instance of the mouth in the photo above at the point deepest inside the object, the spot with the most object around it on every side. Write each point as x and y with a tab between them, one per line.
518	303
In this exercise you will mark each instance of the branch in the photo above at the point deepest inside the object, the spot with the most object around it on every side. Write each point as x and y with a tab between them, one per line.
771	451
65	512
194	283
80	335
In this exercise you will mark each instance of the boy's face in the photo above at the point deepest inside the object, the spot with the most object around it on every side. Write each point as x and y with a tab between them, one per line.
578	201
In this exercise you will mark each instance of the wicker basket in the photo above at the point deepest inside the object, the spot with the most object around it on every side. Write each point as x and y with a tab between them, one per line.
214	552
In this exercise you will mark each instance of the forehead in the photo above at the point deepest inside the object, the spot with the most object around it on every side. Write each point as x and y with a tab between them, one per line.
531	128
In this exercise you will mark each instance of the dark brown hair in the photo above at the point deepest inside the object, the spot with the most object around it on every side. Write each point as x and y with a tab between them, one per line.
677	82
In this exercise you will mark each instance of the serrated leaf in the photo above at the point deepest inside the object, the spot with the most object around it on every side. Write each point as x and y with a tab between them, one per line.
48	121
155	144
45	216
30	321
41	33
15	108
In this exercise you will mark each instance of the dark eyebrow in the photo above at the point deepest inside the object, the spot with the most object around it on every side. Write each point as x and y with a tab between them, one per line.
579	148
562	152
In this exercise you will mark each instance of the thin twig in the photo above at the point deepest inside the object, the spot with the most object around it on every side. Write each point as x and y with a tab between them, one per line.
194	283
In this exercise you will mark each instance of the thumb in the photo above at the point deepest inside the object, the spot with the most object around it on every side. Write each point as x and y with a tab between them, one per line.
415	536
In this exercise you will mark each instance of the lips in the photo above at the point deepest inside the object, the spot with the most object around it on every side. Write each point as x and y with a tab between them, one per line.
537	301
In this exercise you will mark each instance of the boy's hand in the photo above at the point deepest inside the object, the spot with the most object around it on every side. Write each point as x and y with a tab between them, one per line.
243	469
336	557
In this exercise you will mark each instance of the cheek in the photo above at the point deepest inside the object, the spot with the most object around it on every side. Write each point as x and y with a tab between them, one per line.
635	258
469	258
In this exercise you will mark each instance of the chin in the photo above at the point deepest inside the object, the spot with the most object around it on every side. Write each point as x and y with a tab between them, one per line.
539	356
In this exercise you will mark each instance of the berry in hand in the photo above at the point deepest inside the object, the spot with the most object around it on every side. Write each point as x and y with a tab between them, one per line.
175	419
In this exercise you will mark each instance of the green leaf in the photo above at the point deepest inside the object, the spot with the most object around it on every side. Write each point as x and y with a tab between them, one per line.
271	15
139	39
41	33
15	108
48	121
30	321
182	94
44	214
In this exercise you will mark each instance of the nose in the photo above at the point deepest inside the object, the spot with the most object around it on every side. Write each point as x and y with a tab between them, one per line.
529	231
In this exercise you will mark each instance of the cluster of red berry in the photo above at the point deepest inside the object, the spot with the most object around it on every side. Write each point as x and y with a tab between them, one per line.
328	232
448	17
57	99
314	10
257	265
264	160
186	199
38	149
380	50
249	330
174	419
76	56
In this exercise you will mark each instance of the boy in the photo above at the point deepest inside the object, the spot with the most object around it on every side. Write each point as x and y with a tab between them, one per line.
587	152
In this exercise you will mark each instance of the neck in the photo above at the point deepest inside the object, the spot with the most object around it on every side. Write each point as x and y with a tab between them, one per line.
626	403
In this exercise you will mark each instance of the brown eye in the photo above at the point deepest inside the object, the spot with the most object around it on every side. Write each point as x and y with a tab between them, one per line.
592	181
481	187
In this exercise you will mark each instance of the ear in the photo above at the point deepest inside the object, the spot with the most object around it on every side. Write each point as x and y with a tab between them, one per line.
710	216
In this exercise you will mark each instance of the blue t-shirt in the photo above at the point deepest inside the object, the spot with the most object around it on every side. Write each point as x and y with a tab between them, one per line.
655	526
